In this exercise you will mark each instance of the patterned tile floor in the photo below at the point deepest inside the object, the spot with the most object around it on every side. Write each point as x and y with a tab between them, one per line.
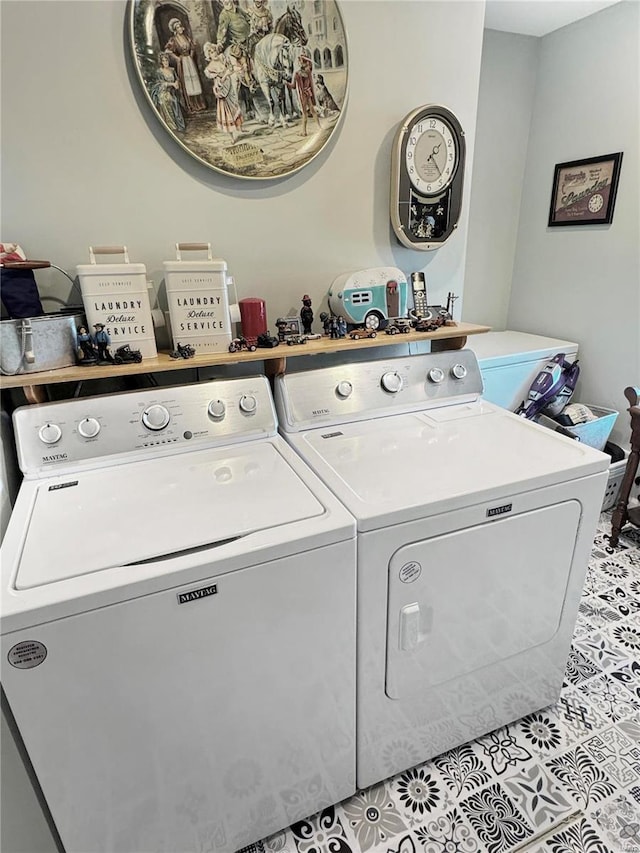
568	775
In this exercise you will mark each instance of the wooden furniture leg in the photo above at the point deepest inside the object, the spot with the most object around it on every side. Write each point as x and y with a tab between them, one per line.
621	514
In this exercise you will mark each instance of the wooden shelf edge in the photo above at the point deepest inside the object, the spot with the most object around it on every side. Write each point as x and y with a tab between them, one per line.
447	337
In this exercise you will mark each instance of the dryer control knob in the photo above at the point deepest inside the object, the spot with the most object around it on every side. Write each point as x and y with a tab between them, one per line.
156	417
50	433
248	404
89	428
217	409
391	382
344	388
458	371
436	374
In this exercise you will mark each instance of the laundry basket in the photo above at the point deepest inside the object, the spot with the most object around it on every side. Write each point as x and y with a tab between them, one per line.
594	433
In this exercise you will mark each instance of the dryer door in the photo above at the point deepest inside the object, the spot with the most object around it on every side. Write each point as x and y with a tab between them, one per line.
471	598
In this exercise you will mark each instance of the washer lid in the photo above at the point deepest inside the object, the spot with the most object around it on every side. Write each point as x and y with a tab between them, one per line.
402	467
128	514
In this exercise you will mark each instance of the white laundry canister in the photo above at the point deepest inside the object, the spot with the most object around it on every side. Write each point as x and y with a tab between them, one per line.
117	296
198	300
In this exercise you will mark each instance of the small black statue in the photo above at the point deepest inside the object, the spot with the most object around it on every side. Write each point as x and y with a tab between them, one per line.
306	315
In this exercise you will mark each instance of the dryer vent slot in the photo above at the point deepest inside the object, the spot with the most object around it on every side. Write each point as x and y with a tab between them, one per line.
185	552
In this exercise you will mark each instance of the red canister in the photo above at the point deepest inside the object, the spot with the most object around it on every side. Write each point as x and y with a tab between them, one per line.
253	317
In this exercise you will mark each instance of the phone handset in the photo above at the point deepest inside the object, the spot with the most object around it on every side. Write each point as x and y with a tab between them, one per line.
419	290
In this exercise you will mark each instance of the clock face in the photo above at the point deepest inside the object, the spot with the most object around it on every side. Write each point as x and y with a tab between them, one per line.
595	202
431	155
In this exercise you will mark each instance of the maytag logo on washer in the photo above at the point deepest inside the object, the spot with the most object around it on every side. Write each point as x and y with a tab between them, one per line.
197	594
499	510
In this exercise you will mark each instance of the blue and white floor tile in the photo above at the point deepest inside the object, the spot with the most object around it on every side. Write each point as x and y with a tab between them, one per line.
565	779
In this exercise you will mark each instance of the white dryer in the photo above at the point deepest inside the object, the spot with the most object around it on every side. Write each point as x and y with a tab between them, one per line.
474	532
178	620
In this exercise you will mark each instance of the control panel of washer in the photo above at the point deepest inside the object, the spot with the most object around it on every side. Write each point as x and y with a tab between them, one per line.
368	389
54	435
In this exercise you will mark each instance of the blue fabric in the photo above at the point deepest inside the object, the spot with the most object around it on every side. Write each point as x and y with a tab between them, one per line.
19	293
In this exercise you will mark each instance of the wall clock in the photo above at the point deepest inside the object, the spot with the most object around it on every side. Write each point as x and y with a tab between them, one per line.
427	176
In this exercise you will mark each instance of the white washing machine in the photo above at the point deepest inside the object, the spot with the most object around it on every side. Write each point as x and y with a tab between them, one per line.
474	531
510	361
178	620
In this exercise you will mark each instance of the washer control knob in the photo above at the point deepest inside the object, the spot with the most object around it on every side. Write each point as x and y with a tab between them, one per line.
248	404
217	409
89	428
458	371
391	382
156	417
436	374
50	433
344	389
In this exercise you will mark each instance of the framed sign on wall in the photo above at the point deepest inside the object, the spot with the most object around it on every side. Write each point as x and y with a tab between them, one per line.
250	88
584	191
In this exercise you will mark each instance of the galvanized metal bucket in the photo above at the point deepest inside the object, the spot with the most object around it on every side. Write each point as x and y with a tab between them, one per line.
33	344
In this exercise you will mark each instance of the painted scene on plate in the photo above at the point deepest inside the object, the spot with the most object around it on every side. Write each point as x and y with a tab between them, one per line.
253	88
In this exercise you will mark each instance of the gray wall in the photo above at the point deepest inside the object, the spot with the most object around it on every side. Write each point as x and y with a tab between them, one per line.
541	102
583	283
85	162
505	101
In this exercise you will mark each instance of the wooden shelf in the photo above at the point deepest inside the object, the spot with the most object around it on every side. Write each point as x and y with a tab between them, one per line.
448	337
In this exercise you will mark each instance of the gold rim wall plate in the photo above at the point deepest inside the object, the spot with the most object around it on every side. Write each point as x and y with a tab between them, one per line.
250	88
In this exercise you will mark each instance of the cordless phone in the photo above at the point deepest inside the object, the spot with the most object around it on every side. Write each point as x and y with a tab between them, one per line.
419	289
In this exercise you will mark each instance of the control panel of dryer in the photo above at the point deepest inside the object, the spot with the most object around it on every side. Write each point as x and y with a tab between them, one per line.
53	436
369	389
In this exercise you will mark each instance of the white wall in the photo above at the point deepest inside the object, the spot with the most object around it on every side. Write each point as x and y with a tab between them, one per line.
85	160
505	102
583	283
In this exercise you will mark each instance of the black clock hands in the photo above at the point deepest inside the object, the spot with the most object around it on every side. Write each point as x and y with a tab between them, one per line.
430	157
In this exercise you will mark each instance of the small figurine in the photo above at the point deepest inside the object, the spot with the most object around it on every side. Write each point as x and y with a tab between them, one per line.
436	317
398	326
342	326
183	351
239	344
288	326
101	343
333	326
281	325
325	319
306	314
126	355
294	340
267	340
86	353
357	334
451	298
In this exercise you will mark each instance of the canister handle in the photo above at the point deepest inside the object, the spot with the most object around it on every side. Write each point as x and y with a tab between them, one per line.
108	250
193	247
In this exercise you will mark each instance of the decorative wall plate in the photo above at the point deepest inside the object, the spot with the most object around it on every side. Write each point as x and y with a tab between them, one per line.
251	88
